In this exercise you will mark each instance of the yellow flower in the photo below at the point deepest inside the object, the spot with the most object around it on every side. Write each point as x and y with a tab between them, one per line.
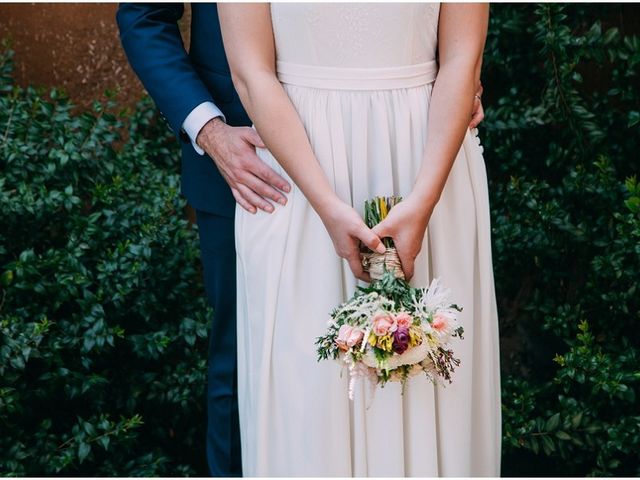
383	207
415	337
385	343
372	339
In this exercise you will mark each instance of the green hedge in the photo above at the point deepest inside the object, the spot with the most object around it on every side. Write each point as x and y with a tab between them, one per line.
103	319
102	313
562	135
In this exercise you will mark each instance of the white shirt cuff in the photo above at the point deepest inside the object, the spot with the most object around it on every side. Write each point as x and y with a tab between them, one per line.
197	119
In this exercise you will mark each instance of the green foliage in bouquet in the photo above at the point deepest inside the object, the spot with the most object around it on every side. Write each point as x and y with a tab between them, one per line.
561	138
102	312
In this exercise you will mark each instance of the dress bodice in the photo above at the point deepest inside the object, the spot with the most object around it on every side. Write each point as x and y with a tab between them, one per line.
355	34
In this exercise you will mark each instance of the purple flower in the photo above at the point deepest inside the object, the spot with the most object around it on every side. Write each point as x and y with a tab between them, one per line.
401	340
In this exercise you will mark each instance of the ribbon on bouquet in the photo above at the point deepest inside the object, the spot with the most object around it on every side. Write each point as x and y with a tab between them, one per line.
379	263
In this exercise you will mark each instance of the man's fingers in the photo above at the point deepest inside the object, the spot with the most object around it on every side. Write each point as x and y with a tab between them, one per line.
370	239
253	138
475	121
478	114
263	189
477	118
242	201
254	198
267	174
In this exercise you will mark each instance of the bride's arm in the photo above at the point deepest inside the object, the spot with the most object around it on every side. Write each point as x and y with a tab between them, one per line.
462	33
249	44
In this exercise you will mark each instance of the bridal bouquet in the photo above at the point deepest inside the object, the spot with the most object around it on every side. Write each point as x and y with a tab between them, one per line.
390	331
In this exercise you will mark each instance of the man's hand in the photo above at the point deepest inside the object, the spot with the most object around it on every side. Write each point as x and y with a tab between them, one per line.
478	112
252	182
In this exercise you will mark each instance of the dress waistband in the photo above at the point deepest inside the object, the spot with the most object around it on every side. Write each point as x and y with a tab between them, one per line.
339	78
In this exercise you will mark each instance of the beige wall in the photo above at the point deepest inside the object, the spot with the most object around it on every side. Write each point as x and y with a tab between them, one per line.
70	46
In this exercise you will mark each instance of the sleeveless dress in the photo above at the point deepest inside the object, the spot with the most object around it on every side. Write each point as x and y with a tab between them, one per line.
360	77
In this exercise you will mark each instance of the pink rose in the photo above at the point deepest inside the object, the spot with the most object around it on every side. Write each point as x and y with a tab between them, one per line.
440	322
343	336
403	319
384	323
355	337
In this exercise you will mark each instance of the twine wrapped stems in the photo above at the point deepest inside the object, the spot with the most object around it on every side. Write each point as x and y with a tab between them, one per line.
376	210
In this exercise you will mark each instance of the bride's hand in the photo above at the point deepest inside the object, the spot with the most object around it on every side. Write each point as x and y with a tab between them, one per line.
347	229
406	224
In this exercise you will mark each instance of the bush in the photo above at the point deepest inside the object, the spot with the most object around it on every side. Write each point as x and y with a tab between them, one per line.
561	144
102	313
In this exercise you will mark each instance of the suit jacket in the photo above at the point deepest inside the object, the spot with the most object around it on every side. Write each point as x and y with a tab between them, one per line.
179	81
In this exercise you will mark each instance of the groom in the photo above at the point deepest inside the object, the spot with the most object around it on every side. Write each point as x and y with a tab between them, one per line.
196	96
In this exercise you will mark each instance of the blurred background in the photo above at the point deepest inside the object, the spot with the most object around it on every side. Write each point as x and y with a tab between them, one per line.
74	47
103	319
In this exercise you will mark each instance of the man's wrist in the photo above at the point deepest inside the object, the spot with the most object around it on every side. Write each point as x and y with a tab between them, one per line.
208	132
196	119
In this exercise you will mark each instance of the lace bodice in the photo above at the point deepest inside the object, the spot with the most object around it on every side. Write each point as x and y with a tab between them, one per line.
355	34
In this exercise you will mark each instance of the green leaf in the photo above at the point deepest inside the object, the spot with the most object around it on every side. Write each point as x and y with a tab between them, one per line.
535	446
6	278
547	445
104	441
563	435
610	35
83	451
633	204
553	422
89	428
576	419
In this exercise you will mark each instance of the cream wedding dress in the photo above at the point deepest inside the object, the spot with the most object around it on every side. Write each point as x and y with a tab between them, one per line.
360	77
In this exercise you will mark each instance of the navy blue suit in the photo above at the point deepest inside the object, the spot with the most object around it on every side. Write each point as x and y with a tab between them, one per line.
178	82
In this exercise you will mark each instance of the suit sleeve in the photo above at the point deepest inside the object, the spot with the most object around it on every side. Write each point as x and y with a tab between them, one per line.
152	42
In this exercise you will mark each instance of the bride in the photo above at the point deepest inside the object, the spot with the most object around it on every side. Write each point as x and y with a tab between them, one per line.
355	101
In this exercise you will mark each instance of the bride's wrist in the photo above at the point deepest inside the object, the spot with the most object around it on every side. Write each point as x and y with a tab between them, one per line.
422	204
327	204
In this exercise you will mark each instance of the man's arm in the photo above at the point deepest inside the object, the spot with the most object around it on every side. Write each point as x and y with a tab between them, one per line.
151	39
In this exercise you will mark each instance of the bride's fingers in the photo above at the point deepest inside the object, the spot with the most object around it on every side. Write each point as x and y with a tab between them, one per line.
355	264
382	230
370	239
407	262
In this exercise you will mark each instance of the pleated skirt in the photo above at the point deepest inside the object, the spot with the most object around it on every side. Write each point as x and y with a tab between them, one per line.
295	415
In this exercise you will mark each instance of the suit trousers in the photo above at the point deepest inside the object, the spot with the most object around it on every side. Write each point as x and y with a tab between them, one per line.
217	246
